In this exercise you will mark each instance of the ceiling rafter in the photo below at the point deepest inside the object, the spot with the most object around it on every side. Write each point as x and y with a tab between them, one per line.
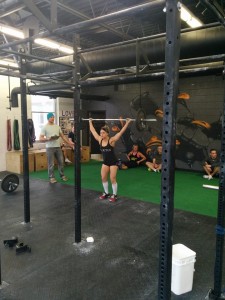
92	9
38	14
82	16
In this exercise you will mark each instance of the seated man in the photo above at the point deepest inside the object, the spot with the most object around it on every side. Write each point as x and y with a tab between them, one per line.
156	164
211	165
66	159
135	158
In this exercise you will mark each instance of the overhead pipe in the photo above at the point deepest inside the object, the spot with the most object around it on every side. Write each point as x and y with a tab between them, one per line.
146	38
113	80
51	90
69	95
202	42
156	66
32	90
55	90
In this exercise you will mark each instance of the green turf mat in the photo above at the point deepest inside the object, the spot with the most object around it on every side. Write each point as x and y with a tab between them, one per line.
146	186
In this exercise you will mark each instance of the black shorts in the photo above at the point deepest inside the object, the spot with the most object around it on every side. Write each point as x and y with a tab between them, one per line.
110	164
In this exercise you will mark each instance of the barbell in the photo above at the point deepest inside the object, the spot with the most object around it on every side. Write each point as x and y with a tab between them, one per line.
140	120
143	120
9	183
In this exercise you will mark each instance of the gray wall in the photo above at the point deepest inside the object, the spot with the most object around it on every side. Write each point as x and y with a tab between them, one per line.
198	118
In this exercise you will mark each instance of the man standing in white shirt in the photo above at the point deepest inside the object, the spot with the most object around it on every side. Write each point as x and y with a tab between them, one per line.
50	134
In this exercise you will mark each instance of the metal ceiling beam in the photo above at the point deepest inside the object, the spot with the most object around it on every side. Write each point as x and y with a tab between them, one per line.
54	20
88	23
15	8
37	58
216	9
85	17
38	14
128	11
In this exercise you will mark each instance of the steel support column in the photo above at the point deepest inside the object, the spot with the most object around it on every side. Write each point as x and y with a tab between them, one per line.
216	293
168	143
26	184
77	122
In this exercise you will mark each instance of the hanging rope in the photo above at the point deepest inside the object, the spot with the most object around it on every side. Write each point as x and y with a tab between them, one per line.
9	136
16	135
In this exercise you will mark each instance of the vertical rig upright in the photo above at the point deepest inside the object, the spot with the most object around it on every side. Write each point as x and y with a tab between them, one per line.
26	183
172	50
216	292
77	169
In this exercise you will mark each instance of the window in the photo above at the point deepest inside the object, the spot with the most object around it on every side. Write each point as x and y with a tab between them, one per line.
40	107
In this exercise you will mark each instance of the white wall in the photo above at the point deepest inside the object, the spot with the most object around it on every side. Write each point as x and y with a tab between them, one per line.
65	107
5	114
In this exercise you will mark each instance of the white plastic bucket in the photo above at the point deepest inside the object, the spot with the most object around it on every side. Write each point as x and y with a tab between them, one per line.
183	260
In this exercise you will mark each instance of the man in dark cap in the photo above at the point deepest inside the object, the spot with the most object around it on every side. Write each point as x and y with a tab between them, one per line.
50	134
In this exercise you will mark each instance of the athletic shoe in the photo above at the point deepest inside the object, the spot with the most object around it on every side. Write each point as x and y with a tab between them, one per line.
68	161
64	178
158	171
205	176
113	198
52	180
210	177
104	196
149	169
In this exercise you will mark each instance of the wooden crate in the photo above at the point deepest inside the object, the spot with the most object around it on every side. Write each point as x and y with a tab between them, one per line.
14	162
85	154
40	160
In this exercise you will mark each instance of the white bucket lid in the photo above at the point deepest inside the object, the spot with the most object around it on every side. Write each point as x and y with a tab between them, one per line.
180	251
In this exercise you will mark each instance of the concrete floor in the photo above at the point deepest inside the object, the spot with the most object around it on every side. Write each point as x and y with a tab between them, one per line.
121	263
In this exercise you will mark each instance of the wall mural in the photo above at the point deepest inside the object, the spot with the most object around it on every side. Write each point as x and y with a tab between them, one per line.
194	138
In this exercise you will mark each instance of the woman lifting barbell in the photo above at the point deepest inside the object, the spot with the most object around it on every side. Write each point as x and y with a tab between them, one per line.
109	165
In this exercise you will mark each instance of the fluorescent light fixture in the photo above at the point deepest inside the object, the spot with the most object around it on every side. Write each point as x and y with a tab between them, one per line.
8	63
11	31
67	50
54	45
187	16
43	42
46	43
